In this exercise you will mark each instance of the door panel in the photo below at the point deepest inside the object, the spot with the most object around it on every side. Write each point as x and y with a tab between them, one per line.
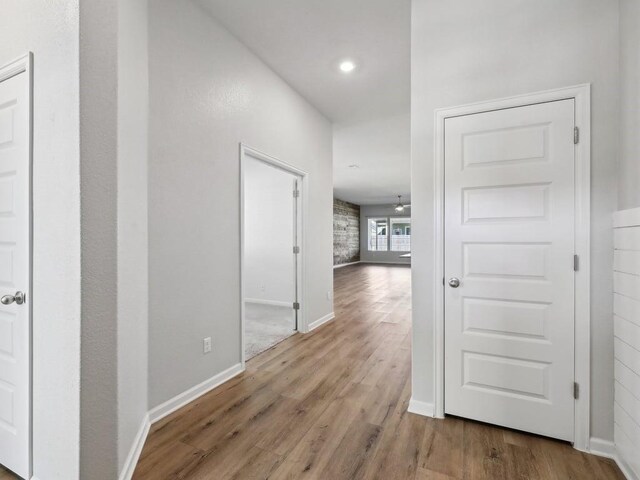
502	317
509	239
15	337
506	203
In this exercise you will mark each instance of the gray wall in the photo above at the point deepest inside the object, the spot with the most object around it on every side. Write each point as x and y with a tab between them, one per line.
98	180
629	192
50	29
207	94
113	142
346	232
468	51
367	211
133	113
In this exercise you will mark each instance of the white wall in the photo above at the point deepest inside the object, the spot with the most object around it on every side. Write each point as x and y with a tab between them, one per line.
268	233
629	177
368	211
50	29
468	51
626	320
381	148
133	117
207	94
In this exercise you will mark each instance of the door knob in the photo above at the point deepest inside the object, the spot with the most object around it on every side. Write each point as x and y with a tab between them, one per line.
18	298
454	282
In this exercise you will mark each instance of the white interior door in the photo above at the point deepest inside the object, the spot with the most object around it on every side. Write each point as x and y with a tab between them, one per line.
509	240
15	324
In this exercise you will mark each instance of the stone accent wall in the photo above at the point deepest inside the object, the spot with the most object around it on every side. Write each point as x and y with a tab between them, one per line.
346	232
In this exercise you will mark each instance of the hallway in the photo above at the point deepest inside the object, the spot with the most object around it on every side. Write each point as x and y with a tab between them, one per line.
333	405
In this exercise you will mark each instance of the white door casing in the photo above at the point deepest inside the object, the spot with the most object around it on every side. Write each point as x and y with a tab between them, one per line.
300	210
15	267
296	248
509	239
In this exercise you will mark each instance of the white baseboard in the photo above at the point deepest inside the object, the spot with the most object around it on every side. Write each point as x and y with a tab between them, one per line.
626	469
420	408
607	449
374	262
136	449
602	448
274	303
168	407
321	321
180	400
345	264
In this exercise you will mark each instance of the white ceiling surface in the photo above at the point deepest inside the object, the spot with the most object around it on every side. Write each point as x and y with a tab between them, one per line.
381	149
305	40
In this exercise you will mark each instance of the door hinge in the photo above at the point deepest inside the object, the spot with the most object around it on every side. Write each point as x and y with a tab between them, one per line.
443	280
576	135
576	390
296	306
296	249
296	193
576	263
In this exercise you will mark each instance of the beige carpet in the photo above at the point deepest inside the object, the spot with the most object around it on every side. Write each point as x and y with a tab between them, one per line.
265	326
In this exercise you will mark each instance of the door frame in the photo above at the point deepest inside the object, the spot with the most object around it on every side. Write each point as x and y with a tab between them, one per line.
300	284
581	94
24	64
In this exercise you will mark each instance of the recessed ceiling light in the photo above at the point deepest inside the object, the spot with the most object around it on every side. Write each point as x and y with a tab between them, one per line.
347	66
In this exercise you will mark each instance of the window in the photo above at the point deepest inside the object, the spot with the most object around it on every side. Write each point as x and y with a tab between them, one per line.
389	234
401	234
378	237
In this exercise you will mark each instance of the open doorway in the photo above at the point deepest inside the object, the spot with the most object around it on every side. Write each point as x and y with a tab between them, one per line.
271	239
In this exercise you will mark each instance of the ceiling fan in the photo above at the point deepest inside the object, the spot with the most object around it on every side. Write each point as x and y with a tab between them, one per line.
399	207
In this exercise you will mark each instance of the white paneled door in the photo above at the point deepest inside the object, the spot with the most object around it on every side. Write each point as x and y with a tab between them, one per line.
15	336
509	267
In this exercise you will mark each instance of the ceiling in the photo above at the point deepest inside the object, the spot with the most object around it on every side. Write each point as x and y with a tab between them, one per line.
380	149
305	40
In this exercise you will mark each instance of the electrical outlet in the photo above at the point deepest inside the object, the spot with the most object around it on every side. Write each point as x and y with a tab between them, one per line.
329	295
206	345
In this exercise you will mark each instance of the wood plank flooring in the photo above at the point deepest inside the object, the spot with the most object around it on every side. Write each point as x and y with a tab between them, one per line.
332	405
7	475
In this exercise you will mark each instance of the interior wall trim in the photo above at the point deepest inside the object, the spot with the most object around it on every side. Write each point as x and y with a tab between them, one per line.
136	449
321	321
159	412
420	408
346	264
607	449
374	262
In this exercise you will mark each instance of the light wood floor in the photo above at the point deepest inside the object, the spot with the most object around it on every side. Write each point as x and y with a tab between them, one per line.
332	405
7	475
